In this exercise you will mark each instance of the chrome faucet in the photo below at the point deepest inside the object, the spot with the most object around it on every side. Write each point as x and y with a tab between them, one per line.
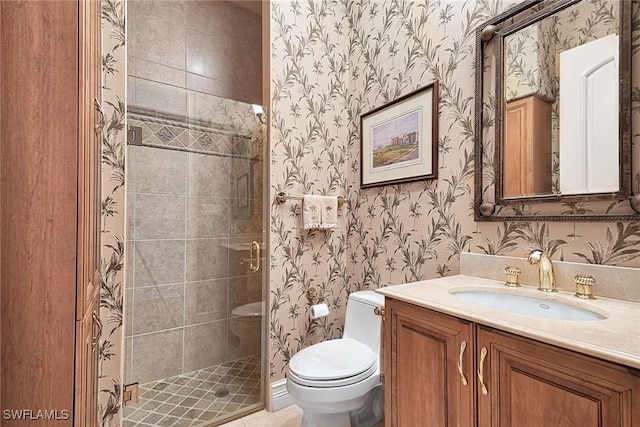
545	271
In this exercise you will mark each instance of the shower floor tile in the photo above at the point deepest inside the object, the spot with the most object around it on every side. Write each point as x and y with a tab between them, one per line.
197	398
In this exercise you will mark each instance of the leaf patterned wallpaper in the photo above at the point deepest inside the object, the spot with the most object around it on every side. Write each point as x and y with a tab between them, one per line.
530	62
333	60
113	213
310	119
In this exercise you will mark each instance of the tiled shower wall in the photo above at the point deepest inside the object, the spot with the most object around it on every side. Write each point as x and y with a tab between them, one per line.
212	47
194	207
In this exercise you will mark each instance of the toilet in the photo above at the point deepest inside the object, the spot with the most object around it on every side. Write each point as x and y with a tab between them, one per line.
245	328
337	382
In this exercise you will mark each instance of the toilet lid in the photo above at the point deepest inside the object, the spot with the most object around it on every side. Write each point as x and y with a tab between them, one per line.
331	360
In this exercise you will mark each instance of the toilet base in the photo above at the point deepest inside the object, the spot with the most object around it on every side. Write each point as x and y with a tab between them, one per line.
318	419
370	414
367	415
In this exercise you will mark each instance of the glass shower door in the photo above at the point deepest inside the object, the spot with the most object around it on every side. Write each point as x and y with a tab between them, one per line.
195	310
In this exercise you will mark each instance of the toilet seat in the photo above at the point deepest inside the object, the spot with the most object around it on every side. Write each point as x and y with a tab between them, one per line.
253	309
333	363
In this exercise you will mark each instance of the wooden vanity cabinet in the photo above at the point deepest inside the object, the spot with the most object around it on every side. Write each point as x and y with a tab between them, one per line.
532	384
423	386
527	383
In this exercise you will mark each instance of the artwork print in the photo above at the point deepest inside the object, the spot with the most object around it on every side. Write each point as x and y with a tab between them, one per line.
399	140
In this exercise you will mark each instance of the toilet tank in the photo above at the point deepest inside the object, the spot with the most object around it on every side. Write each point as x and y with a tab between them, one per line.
361	324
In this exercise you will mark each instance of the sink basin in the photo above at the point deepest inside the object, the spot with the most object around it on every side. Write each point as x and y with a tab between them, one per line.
529	306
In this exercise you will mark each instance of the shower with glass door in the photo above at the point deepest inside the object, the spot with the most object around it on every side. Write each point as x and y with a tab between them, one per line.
195	286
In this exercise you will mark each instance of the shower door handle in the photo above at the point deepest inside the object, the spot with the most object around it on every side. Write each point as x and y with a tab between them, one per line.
254	261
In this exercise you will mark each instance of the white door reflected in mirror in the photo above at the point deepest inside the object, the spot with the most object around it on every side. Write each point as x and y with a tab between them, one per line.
589	117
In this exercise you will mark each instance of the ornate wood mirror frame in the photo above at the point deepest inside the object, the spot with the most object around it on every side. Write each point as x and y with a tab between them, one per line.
490	202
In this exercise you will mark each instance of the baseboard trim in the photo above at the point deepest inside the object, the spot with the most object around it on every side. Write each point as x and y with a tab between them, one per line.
279	395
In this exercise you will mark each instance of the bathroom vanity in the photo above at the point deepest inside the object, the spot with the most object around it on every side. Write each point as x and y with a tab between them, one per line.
459	363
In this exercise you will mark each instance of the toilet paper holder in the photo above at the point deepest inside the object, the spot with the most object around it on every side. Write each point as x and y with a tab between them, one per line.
318	311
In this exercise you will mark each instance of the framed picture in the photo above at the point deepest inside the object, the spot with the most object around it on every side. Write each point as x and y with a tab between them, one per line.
399	141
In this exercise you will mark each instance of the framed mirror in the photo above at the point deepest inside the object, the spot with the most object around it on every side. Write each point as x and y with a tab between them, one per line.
553	113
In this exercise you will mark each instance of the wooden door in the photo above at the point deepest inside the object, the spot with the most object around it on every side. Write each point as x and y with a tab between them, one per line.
49	212
531	384
423	385
38	209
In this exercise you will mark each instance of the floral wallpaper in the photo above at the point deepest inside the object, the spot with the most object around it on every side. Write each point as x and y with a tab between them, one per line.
335	60
309	155
530	62
532	52
414	231
113	210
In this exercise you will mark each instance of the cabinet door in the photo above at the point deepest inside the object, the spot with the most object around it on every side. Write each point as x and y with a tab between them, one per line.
423	385
38	209
527	148
531	384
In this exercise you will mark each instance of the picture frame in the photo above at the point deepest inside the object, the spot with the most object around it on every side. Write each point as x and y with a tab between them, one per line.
399	140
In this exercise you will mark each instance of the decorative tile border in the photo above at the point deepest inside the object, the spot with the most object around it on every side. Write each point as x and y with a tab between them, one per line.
180	133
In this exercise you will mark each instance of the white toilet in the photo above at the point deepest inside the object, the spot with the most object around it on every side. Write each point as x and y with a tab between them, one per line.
337	382
245	330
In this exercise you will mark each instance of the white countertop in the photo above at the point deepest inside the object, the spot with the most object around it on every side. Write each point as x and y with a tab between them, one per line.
616	338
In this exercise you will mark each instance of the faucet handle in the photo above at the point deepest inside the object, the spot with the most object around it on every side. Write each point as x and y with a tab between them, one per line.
513	276
584	286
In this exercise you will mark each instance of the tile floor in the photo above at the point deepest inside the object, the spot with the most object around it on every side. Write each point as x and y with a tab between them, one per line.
197	398
290	416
